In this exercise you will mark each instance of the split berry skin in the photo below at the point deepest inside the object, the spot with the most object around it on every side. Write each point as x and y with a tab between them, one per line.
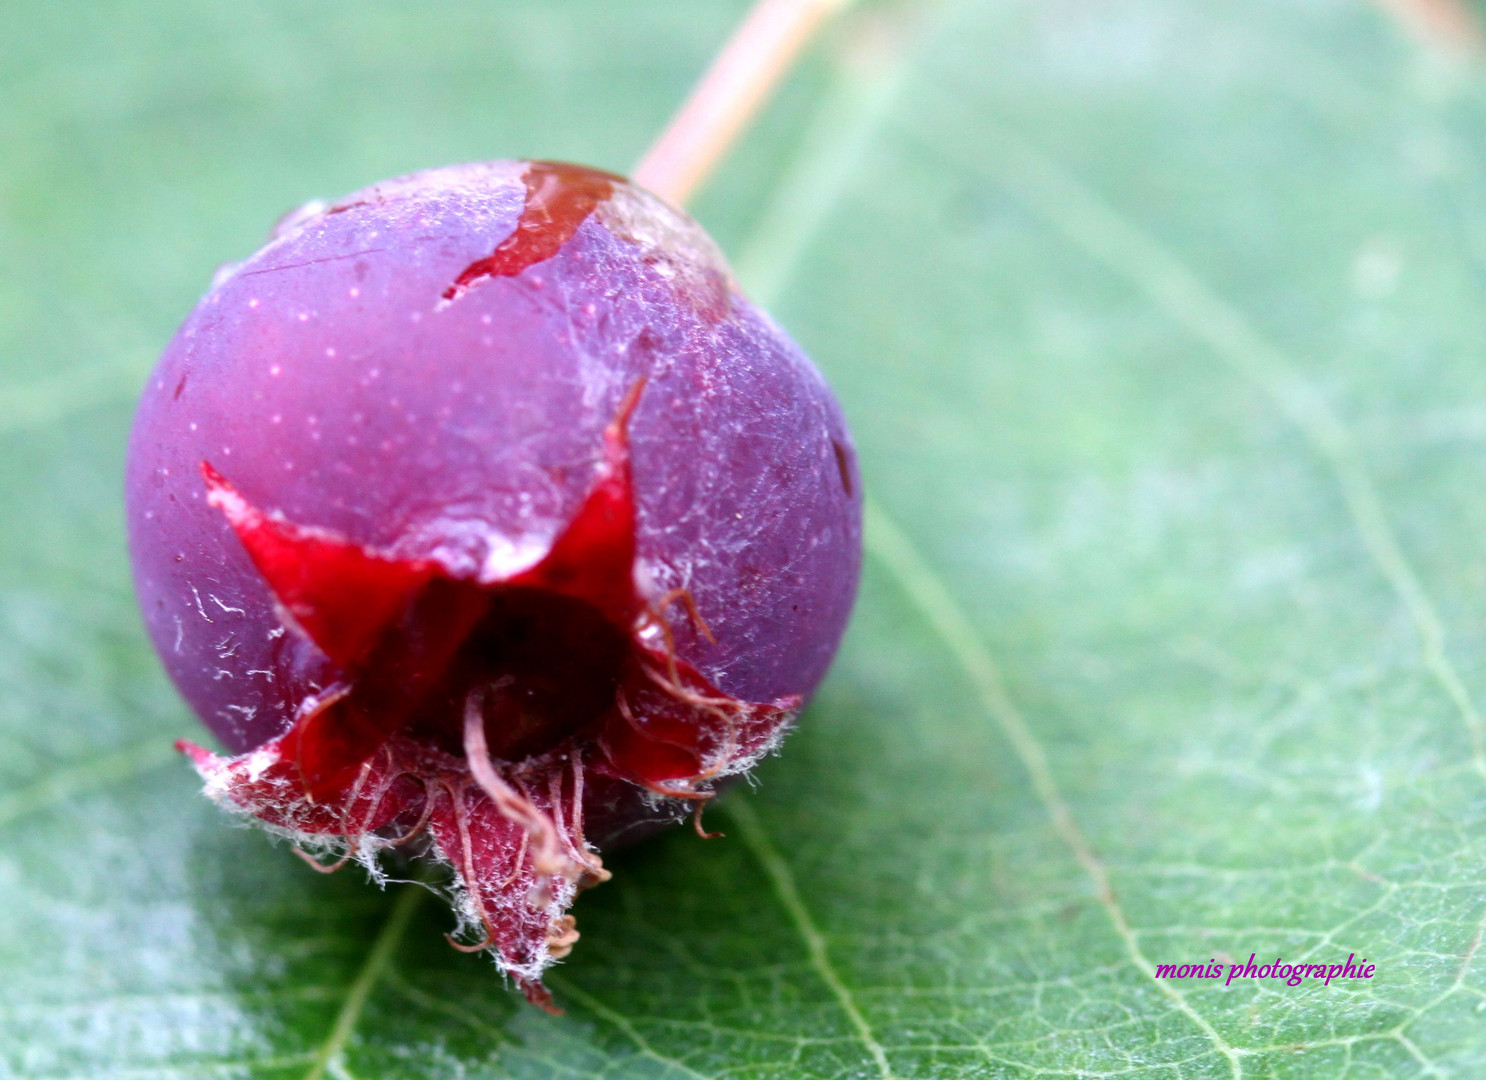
480	513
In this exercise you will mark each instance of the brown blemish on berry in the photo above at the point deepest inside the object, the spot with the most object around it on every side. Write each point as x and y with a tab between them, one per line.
179	387
674	246
843	466
559	199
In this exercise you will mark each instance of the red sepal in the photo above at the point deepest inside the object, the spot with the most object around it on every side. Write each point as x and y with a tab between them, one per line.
364	765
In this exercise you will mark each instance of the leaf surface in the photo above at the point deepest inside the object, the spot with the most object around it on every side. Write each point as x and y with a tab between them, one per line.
1160	328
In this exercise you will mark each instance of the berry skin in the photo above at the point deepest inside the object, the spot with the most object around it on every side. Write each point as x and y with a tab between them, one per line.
480	513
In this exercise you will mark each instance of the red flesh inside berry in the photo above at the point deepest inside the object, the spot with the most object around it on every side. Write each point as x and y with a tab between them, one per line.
559	198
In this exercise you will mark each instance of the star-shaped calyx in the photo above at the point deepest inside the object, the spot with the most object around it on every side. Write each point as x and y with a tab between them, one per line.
481	720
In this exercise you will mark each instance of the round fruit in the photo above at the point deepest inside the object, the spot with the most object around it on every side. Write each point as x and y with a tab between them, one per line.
480	512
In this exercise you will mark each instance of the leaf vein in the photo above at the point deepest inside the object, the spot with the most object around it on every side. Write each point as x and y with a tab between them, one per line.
624	1024
782	879
57	785
377	960
1102	232
892	548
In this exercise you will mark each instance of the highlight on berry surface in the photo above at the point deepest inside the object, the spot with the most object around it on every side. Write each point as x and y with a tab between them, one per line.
480	516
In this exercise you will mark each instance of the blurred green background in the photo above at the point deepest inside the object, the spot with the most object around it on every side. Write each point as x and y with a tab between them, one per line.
1160	326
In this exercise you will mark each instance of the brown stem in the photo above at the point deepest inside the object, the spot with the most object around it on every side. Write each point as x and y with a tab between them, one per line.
423	815
593	864
696	822
316	865
1448	24
741	78
547	857
471	882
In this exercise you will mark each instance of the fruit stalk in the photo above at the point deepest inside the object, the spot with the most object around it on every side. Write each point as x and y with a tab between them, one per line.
741	78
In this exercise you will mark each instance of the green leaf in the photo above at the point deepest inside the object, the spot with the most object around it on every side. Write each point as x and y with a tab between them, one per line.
1160	326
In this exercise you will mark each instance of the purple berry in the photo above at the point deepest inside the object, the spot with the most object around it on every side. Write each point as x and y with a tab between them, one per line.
480	512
